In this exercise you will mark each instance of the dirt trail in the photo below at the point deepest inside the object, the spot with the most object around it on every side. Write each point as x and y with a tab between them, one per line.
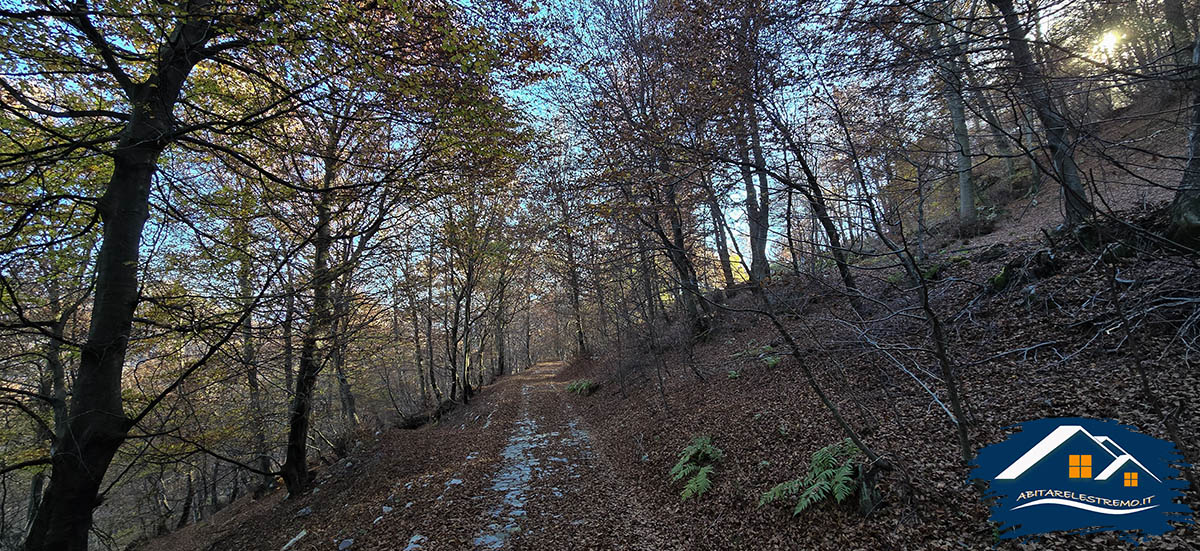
553	490
517	470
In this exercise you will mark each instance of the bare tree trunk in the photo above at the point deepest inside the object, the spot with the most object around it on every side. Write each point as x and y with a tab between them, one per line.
289	369
35	496
295	466
753	215
762	226
528	317
677	252
188	498
1037	93
791	238
749	145
501	365
573	279
98	424
246	293
341	326
967	215
1177	27
718	218
417	350
437	394
162	507
1185	208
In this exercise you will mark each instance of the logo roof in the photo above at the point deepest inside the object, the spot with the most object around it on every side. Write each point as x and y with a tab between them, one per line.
1058	437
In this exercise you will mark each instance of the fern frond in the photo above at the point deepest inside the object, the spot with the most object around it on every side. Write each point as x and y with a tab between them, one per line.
831	473
682	470
698	484
782	490
813	494
692	463
843	481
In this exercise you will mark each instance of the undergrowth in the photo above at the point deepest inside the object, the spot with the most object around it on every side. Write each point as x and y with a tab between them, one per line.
583	387
697	461
831	473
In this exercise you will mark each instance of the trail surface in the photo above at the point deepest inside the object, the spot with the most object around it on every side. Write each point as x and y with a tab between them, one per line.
552	489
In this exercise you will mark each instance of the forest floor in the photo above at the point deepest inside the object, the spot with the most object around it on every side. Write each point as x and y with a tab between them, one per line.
530	466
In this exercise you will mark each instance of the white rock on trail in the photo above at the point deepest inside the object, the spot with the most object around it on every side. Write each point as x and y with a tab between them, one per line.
289	544
415	543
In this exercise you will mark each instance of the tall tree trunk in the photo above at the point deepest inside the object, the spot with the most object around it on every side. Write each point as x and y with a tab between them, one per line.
437	394
341	327
761	227
788	215
452	335
816	200
967	215
676	246
952	66
35	497
468	292
214	496
749	144
1037	93
162	507
573	279
289	367
718	218
501	365
295	466
528	317
1177	28
188	498
98	424
246	292
53	385
753	218
418	351
1185	208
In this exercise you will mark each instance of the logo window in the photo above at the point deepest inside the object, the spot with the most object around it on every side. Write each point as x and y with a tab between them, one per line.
1131	479
1080	466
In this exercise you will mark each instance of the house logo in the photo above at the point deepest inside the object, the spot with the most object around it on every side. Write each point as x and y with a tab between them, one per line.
1082	475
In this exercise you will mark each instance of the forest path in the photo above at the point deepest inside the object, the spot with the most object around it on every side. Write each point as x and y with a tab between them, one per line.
553	490
514	470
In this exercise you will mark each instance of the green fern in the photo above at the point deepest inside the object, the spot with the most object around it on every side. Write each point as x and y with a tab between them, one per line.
682	470
698	484
831	473
583	387
696	461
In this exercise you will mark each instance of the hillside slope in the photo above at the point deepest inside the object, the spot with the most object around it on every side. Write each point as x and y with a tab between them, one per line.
530	466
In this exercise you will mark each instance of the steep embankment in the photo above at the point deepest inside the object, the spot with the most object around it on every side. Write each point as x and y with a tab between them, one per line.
1049	345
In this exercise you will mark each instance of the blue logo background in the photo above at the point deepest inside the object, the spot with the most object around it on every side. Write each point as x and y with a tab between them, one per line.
1039	487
